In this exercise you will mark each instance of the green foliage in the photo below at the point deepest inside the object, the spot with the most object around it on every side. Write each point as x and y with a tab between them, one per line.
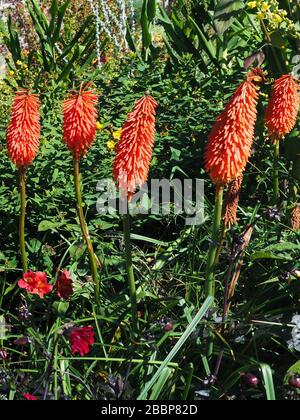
191	87
58	55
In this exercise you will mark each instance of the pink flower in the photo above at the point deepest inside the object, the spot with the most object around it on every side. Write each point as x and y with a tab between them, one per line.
81	339
30	397
35	283
64	285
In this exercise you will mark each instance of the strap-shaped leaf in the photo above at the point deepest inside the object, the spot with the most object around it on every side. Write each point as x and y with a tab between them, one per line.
53	14
60	17
225	13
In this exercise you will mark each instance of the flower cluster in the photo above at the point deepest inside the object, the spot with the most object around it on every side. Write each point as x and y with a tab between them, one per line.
80	121
134	153
81	339
230	141
23	132
35	283
283	108
272	14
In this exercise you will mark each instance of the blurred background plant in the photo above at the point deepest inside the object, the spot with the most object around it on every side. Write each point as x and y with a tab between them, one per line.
190	55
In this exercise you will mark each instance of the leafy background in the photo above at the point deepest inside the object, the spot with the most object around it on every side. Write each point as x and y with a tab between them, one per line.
191	60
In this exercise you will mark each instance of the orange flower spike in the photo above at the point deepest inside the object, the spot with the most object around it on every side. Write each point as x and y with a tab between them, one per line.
80	121
230	141
23	133
283	108
134	150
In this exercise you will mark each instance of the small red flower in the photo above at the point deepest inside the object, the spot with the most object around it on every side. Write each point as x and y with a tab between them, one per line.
35	283
64	285
81	339
30	397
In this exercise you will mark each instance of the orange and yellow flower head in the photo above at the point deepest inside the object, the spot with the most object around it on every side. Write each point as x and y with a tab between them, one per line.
23	133
230	141
283	108
134	149
80	121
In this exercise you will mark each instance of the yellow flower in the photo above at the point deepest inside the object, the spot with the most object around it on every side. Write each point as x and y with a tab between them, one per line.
25	66
265	6
297	274
111	145
117	134
19	63
283	12
164	133
12	73
99	126
260	15
277	18
252	4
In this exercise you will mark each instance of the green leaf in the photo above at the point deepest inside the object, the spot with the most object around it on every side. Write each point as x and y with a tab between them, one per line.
261	255
53	14
146	33
48	225
268	381
225	13
60	17
190	329
206	44
159	386
284	246
293	370
60	308
151	9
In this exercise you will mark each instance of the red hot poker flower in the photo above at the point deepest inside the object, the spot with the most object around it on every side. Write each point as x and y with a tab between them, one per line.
79	121
81	339
23	133
134	152
64	285
230	141
35	283
283	108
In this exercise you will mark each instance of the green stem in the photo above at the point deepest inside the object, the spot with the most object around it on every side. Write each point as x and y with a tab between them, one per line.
211	261
130	271
55	367
22	219
84	228
276	172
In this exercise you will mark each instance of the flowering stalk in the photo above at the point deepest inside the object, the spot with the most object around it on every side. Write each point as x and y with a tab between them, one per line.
215	243
22	172
79	132
23	139
131	169
276	192
281	117
227	154
84	228
130	270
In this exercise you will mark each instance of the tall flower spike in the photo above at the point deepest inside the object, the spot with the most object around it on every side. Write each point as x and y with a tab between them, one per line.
283	108
134	152
229	144
80	120
23	133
